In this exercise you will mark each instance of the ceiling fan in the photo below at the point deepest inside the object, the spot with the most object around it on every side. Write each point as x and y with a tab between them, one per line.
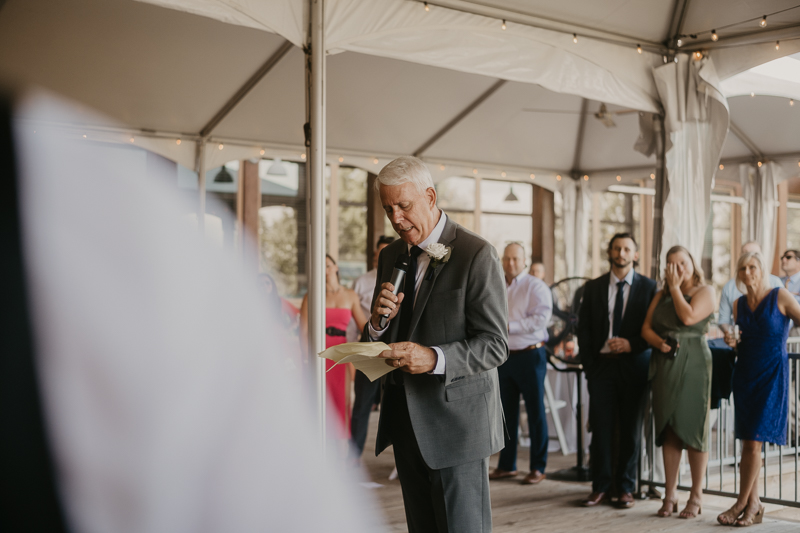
603	114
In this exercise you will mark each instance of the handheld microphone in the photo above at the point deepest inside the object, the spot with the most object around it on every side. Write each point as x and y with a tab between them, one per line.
398	276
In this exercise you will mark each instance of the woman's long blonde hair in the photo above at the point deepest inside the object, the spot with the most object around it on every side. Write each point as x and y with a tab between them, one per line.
697	276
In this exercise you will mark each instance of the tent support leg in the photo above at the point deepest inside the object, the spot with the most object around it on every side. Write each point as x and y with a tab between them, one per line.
316	203
660	198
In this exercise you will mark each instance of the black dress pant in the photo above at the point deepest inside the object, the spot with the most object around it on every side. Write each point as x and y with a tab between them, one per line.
616	399
368	393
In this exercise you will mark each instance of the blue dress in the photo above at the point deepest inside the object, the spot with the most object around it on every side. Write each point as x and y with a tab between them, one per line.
761	375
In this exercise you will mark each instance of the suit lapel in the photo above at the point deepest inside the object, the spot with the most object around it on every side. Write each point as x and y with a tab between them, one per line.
448	236
604	294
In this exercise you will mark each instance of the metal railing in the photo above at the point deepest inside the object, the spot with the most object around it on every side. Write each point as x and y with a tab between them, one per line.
778	478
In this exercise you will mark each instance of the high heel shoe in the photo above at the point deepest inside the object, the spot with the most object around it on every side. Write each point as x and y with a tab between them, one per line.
729	517
667	510
748	519
687	514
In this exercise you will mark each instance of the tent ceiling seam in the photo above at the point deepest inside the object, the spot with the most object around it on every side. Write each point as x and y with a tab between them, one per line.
458	118
245	89
746	140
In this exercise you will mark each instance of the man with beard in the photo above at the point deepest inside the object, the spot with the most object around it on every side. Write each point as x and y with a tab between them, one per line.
616	359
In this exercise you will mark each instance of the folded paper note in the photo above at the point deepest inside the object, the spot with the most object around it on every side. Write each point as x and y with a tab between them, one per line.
363	355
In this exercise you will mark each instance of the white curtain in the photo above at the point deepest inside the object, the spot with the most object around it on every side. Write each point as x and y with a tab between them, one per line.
696	121
576	213
759	187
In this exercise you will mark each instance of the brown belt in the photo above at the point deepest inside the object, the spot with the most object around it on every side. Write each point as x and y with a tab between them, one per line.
528	349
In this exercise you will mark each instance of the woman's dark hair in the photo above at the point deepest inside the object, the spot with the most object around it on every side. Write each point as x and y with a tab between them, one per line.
338	278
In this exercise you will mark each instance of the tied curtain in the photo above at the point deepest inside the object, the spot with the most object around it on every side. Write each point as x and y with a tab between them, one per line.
577	211
760	191
696	119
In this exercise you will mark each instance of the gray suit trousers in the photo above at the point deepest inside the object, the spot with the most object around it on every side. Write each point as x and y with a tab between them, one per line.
448	500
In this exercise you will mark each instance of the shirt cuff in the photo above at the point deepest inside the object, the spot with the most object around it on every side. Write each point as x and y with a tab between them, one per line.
375	334
439	368
514	327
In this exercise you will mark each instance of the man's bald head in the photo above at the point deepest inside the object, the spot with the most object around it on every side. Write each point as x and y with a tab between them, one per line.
751	247
513	261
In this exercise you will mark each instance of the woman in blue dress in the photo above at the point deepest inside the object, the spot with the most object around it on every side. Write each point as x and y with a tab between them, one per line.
760	379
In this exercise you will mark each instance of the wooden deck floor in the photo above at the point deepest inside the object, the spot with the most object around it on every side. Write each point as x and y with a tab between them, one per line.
552	506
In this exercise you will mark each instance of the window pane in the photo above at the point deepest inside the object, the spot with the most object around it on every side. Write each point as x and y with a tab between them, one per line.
495	197
352	185
793	233
503	229
456	193
465	219
352	243
612	207
277	232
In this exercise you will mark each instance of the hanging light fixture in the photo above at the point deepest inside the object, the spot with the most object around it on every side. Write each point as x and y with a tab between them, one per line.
714	36
504	24
575	38
511	196
223	176
777	45
427	7
277	168
639	48
763	22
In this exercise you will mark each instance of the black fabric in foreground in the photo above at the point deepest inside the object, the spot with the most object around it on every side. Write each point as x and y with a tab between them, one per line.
28	496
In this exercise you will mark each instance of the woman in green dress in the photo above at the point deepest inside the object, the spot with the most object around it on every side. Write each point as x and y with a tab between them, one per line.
681	384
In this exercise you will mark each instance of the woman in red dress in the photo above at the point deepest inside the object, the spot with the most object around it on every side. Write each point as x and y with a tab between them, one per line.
341	304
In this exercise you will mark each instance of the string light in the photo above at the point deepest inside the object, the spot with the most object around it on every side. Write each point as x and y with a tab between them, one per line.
504	24
752	95
441	167
178	142
303	157
680	43
221	146
721	166
503	174
375	161
474	170
639	48
262	151
619	178
652	176
698	55
84	136
763	22
664	58
714	36
341	159
533	176
777	45
575	38
427	7
586	177
759	164
791	102
132	138
558	177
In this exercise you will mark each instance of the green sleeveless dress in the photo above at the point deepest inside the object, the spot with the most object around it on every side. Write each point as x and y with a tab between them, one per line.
682	384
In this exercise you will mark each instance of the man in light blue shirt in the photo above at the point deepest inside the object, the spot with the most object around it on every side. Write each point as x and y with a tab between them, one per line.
790	264
730	293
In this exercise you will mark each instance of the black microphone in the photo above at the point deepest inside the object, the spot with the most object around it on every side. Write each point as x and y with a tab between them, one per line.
398	276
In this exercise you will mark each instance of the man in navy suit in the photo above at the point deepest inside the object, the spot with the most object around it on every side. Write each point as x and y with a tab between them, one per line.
616	359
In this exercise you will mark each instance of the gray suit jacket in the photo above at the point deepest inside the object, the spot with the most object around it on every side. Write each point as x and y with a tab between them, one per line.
461	308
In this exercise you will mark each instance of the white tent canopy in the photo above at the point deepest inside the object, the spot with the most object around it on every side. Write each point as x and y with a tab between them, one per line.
165	74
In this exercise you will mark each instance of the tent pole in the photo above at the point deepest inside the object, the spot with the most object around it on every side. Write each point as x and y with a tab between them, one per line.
661	192
316	212
201	184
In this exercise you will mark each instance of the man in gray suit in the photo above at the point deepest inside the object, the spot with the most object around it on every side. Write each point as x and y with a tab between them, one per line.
447	332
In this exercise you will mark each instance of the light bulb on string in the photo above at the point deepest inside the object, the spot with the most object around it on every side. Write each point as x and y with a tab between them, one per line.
558	177
752	95
133	139
721	166
84	136
639	48
586	177
341	159
221	146
619	178
178	142
759	164
714	36
680	43
303	156
441	167
533	176
652	176
503	174
262	152
504	24
427	7
375	161
777	45
575	38
698	55
791	102
763	22
474	170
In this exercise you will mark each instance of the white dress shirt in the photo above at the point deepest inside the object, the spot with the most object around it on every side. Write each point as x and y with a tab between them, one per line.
422	266
530	306
612	302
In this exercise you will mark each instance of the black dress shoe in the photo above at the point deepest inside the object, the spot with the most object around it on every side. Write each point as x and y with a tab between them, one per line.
593	499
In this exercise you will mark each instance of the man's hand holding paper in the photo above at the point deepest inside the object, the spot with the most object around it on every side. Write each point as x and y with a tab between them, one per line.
363	355
410	357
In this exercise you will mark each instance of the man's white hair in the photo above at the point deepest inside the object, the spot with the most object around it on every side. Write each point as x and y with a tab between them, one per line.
405	169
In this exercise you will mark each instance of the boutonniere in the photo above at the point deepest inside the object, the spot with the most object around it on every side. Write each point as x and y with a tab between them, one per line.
439	254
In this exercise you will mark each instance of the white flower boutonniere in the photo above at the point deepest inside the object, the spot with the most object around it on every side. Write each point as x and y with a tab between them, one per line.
439	254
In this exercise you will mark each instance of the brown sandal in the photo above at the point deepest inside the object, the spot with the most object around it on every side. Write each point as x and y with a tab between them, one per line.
748	519
687	514
729	517
667	509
